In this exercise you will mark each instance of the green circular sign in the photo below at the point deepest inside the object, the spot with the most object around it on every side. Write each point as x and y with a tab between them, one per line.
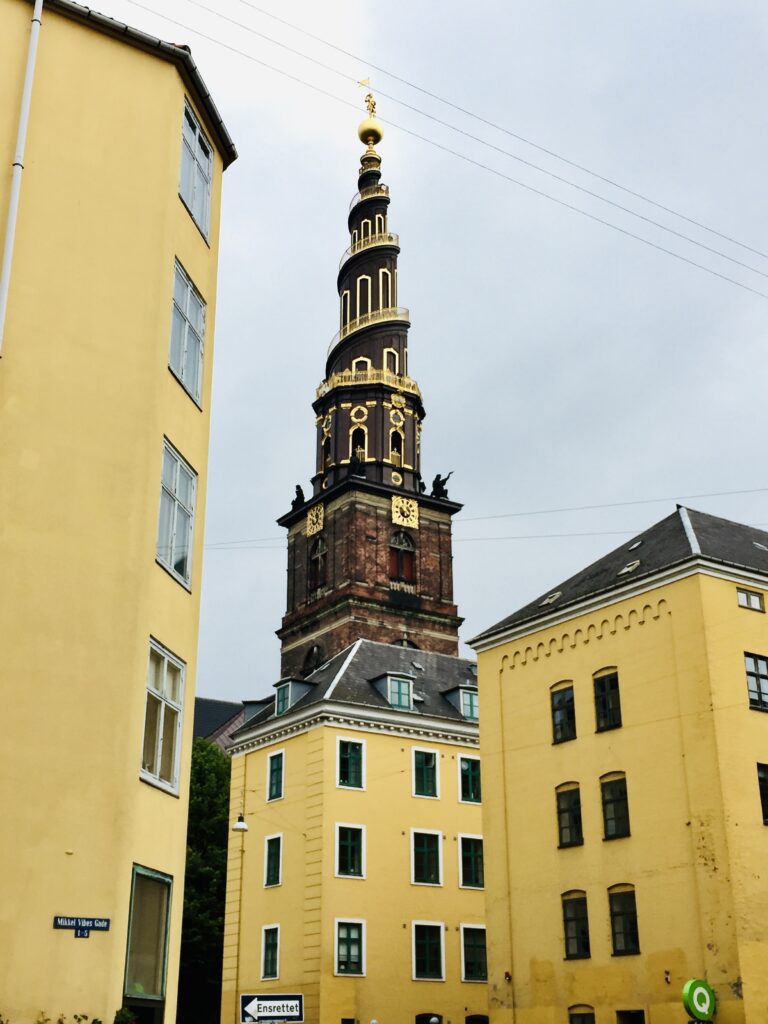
699	999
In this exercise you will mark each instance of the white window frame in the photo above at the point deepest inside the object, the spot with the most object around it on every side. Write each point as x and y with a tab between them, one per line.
479	928
425	750
441	926
468	757
459	837
273	885
745	596
353	789
349	920
275	753
188	329
400	679
146	775
264	929
180	463
441	867
363	849
205	173
464	694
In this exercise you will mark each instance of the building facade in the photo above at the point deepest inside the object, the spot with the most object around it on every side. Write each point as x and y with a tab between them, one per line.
626	825
355	874
105	386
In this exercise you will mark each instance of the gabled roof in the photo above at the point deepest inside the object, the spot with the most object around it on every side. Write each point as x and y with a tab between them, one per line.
684	536
211	714
349	678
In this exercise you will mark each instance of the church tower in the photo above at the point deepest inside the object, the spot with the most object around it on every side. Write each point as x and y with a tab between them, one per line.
369	552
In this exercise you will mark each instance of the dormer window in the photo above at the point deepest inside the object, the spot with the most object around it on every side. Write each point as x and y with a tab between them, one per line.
400	693
283	699
470	704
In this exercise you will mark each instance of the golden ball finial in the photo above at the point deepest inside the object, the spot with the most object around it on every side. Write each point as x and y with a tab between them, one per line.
370	130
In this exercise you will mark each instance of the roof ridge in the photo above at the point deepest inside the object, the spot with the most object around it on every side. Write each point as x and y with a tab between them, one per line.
345	665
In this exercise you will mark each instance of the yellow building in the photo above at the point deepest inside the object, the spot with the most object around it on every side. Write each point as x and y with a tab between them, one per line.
358	884
105	387
626	826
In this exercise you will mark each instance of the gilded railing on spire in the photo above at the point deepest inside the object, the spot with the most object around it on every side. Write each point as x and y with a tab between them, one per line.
382	238
350	378
377	316
369	193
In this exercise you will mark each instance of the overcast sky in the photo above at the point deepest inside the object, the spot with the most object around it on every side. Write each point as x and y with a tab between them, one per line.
562	363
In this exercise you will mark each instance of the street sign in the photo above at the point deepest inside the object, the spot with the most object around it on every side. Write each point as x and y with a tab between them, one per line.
699	999
81	926
271	1007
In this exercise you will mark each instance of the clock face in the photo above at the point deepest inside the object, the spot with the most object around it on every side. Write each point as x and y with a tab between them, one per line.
405	512
315	519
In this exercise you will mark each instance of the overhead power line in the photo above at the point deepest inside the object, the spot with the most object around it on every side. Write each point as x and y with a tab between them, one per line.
500	128
483	142
460	156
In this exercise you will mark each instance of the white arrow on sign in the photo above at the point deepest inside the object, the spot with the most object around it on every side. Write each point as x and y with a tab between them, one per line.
253	1008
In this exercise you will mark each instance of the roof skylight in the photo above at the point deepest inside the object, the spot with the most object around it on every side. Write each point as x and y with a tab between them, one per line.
759	545
635	545
629	567
551	598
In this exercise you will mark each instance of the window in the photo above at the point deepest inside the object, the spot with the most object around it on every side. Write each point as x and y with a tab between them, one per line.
350	764
757	681
400	694
569	831
358	444
282	699
275	775
196	171
630	1017
145	963
575	925
607	701
402	566
470	704
273	848
469	780
162	718
318	554
615	806
425	778
396	448
427	950
750	599
581	1015
426	859
187	333
270	951
624	932
762	782
350	948
563	714
177	514
471	862
474	965
350	851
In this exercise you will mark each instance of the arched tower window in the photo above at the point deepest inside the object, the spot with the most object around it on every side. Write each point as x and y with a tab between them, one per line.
358	443
344	308
380	224
317	564
363	295
326	453
402	558
390	360
396	448
313	659
361	364
365	229
385	289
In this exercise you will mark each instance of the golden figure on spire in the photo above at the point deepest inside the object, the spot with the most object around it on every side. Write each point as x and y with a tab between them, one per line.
370	103
370	130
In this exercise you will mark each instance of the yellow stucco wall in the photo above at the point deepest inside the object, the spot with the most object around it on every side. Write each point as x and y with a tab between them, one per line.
312	898
86	399
688	745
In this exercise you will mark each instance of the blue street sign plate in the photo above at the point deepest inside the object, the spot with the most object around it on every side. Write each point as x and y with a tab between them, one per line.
81	926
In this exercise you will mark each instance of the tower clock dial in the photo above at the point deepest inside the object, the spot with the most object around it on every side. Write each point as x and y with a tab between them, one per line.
405	511
315	519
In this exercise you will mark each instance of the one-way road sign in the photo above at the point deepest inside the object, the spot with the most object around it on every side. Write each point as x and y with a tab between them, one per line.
271	1006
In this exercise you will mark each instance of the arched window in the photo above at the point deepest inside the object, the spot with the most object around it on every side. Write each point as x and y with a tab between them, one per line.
313	659
344	308
581	1014
362	363
385	289
380	224
365	229
396	448
358	444
476	1018
326	453
390	360
623	909
363	295
404	642
429	1018
402	558
317	564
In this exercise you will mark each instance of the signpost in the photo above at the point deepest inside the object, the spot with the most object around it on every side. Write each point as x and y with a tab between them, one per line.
271	1006
699	999
82	926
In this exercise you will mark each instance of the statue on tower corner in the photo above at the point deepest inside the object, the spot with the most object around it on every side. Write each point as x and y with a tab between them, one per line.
299	500
439	490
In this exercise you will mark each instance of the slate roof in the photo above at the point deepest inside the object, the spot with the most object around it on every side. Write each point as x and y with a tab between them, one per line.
684	536
211	714
348	678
